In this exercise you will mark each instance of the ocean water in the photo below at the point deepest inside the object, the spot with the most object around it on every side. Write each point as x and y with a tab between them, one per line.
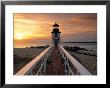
89	46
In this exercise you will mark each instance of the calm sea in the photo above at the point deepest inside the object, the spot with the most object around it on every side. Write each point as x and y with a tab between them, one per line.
89	46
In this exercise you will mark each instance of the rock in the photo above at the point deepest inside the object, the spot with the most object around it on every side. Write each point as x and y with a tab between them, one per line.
73	49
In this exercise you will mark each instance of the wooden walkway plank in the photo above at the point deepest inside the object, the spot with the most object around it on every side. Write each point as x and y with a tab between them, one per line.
55	67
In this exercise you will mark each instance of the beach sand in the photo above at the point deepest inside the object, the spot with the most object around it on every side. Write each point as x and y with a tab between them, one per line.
22	56
86	59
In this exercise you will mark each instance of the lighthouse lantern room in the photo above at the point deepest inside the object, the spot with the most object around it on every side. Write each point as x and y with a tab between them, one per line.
56	34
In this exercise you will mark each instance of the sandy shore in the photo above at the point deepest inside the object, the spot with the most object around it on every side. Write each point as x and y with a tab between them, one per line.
87	60
33	52
22	56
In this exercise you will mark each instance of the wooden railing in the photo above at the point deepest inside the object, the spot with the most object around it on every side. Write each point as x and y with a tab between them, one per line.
71	65
81	70
28	69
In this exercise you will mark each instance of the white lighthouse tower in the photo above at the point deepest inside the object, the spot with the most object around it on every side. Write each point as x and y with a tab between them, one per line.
56	34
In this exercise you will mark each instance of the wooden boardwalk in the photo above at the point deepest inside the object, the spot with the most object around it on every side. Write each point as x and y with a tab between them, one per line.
55	63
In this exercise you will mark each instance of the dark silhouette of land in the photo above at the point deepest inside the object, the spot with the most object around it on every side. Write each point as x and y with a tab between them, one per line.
80	42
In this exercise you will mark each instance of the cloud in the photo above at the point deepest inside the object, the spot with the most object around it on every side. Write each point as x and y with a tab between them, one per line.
38	26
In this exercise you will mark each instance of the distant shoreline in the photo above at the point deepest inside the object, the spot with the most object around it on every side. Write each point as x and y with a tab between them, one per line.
78	42
37	47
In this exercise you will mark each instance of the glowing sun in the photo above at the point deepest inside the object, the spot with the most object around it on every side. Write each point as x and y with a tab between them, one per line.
19	36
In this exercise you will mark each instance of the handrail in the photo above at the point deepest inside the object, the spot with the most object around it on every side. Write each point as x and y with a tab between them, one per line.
40	68
69	68
26	69
80	68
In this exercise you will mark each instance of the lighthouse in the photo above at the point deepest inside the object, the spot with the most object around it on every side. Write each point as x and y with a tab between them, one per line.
55	34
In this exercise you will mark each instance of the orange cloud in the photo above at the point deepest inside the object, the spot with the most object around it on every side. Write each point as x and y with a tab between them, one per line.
30	27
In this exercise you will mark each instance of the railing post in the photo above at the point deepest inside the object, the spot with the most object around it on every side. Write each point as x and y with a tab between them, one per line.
40	72
45	65
67	62
65	68
69	72
77	73
30	73
42	59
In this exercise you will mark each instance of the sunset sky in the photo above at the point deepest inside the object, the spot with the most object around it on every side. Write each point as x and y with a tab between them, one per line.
35	28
